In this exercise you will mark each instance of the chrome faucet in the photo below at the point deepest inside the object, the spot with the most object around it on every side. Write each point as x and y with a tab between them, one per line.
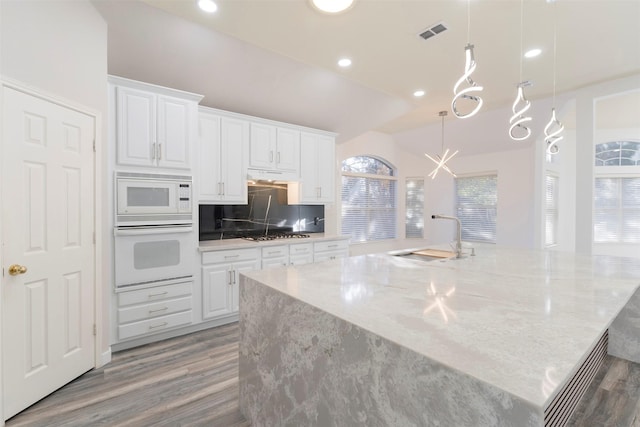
459	235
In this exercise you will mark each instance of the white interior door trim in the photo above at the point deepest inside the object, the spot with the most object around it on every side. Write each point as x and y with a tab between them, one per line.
100	357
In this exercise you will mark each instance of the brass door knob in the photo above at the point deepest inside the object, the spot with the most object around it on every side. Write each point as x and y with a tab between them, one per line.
16	269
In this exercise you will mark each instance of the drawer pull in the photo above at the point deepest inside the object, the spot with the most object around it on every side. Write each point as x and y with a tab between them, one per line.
158	310
302	249
158	295
273	252
159	325
231	256
332	246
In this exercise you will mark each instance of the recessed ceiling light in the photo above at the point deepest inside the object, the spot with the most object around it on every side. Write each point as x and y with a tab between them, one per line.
344	62
418	93
332	6
532	53
207	5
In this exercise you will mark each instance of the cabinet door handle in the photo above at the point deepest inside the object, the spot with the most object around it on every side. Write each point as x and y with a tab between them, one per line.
158	310
159	151
229	281
158	295
219	191
234	277
222	188
278	158
153	151
159	325
271	156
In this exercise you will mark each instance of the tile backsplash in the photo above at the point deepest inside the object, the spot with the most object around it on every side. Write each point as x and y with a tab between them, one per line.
266	212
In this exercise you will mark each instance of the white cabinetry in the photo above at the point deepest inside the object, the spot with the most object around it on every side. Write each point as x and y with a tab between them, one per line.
148	311
317	170
155	126
330	249
275	149
220	279
300	253
275	256
221	158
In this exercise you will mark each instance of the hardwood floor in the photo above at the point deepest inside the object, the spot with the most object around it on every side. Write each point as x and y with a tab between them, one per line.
193	381
186	381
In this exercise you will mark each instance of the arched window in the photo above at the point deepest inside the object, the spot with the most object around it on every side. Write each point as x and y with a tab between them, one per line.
616	216
368	199
618	153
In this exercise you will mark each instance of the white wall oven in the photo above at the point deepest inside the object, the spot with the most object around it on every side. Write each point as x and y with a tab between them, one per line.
154	229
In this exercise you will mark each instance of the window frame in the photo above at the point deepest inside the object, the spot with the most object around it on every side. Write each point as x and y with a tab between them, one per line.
456	207
419	214
392	178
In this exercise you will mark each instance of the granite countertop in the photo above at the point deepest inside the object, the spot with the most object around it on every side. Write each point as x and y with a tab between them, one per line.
519	319
217	245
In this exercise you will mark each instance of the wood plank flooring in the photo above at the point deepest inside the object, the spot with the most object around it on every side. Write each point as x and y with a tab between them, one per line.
186	381
193	381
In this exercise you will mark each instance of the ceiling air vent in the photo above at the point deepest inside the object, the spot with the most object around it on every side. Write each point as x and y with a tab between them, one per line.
433	30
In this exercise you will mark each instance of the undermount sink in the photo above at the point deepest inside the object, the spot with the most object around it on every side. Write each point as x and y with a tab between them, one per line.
426	254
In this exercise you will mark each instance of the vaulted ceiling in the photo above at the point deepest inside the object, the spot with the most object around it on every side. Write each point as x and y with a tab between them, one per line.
277	58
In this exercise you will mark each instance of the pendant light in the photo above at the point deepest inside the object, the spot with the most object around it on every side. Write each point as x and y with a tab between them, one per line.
554	128
470	92
518	131
441	162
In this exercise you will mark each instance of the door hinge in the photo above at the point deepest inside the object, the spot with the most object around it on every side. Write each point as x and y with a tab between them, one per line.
95	330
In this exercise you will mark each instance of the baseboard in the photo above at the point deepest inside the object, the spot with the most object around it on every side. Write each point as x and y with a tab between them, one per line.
106	357
136	342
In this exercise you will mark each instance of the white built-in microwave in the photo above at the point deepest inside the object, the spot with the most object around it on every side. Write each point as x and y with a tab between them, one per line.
152	199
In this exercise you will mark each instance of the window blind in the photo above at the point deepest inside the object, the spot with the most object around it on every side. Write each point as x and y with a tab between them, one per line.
616	210
414	216
551	211
476	207
368	208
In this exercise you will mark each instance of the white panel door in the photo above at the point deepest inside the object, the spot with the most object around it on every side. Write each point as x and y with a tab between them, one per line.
288	150
216	290
174	124
235	135
136	127
262	148
325	165
48	224
208	176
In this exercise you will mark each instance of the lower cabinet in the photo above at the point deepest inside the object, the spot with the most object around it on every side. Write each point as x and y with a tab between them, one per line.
331	249
151	310
220	279
275	256
300	253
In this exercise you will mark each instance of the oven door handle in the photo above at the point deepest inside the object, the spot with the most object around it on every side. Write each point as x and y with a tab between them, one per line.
145	231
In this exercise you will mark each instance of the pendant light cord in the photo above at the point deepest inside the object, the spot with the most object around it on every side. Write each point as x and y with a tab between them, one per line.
521	31
468	21
555	48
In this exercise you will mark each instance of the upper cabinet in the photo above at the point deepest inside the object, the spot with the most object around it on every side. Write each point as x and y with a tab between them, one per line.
317	170
222	150
155	126
276	149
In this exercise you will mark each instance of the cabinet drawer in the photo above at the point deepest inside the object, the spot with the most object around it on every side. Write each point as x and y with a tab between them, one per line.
232	255
157	293
300	249
275	252
331	245
148	311
151	326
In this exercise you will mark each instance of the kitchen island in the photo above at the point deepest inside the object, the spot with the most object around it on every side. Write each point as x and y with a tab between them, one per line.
505	338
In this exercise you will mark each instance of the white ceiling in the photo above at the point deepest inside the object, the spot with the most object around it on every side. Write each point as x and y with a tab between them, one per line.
277	58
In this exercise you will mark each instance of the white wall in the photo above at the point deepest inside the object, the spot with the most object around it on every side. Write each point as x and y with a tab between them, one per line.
515	169
60	49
